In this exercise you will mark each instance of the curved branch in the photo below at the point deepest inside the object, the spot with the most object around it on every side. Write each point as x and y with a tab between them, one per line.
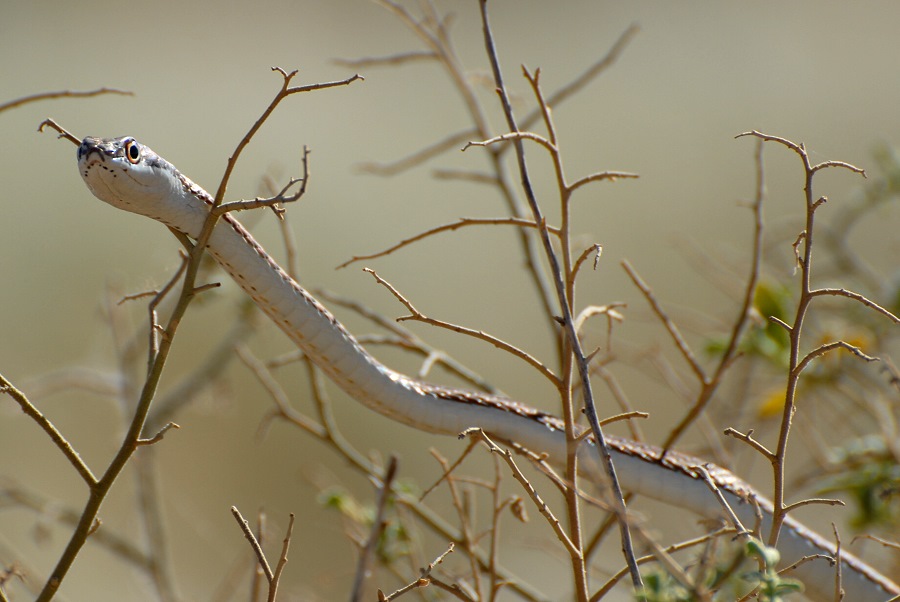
61	94
462	223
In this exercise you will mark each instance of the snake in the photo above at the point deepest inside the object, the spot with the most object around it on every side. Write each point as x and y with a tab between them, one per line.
128	175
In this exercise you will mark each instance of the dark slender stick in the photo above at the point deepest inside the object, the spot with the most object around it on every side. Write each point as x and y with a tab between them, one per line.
378	524
61	94
254	543
568	323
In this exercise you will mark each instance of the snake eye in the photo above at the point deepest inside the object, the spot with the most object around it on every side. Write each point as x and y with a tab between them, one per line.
132	151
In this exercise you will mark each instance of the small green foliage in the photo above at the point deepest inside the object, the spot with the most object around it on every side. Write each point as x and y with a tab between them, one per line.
662	587
724	583
772	586
867	470
757	549
339	499
395	541
764	338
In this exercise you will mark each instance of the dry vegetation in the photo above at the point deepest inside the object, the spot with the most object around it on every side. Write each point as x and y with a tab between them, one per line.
826	333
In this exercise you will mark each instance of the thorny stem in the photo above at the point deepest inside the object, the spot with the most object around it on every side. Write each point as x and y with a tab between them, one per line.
568	323
796	361
566	389
439	43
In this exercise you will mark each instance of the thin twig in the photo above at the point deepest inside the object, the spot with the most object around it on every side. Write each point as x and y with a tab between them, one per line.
595	250
63	132
445	474
280	198
256	581
431	31
61	94
739	527
749	440
838	588
498	505
254	544
612	581
541	505
123	549
612	176
840	292
888	544
415	314
803	249
154	330
378	525
451	588
670	326
462	223
829	347
282	559
101	488
158	436
406	339
469	540
422	581
610	311
286	90
564	307
382	61
216	362
465	175
555	99
709	386
278	395
44	423
514	136
331	434
150	500
696	588
438	525
812	502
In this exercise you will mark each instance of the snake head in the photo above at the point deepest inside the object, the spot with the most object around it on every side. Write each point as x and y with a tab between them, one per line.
127	174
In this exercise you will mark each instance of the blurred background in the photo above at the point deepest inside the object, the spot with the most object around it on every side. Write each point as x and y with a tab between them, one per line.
695	75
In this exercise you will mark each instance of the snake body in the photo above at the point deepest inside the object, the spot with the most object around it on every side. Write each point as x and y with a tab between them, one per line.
130	176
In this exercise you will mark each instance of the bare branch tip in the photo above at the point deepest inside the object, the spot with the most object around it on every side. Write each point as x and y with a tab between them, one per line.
287	76
63	133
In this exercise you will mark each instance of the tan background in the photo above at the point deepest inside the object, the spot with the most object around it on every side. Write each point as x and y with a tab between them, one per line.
697	74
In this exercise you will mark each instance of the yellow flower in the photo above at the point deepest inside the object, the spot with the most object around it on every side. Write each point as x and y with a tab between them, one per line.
772	405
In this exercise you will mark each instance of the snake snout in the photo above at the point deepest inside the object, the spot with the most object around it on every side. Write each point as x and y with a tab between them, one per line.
88	146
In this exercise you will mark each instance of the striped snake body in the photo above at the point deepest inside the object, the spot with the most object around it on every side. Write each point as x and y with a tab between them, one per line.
130	176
